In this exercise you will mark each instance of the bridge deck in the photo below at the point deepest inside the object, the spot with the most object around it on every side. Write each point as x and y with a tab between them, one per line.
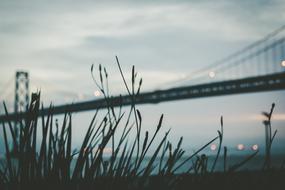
246	85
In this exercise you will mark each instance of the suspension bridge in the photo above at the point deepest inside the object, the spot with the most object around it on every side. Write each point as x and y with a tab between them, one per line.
258	67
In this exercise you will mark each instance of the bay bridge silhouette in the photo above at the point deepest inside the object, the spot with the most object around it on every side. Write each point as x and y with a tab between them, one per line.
259	67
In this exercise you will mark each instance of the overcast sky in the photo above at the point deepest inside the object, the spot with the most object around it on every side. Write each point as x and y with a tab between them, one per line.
56	41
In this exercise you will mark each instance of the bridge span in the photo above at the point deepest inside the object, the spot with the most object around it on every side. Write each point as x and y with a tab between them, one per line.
246	85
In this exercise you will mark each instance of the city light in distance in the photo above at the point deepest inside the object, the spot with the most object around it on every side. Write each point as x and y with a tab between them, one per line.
283	63
254	147
240	147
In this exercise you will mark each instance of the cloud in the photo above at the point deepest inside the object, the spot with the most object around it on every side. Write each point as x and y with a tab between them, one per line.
67	26
170	38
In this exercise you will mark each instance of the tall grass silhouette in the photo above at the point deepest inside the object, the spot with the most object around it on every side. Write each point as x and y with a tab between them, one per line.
45	157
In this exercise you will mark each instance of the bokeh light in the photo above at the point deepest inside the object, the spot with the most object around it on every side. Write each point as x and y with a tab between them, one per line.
240	147
97	93
254	147
212	74
213	147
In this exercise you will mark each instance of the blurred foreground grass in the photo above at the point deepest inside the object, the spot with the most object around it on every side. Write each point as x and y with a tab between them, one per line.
42	154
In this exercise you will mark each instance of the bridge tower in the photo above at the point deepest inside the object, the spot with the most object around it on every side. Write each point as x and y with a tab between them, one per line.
21	101
21	91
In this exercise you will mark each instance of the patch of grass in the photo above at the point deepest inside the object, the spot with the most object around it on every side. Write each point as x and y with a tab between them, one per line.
45	157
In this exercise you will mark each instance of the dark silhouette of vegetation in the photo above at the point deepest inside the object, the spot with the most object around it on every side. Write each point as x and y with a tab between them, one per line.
47	160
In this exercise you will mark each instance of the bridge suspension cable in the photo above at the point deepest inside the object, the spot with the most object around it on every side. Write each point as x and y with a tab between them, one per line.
235	64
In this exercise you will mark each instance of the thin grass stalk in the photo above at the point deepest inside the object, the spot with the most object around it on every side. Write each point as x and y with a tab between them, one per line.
80	160
267	123
225	158
243	162
7	153
149	144
15	144
148	169
221	134
199	150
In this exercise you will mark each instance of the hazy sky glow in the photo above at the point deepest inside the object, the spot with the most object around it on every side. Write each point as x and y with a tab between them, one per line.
57	41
